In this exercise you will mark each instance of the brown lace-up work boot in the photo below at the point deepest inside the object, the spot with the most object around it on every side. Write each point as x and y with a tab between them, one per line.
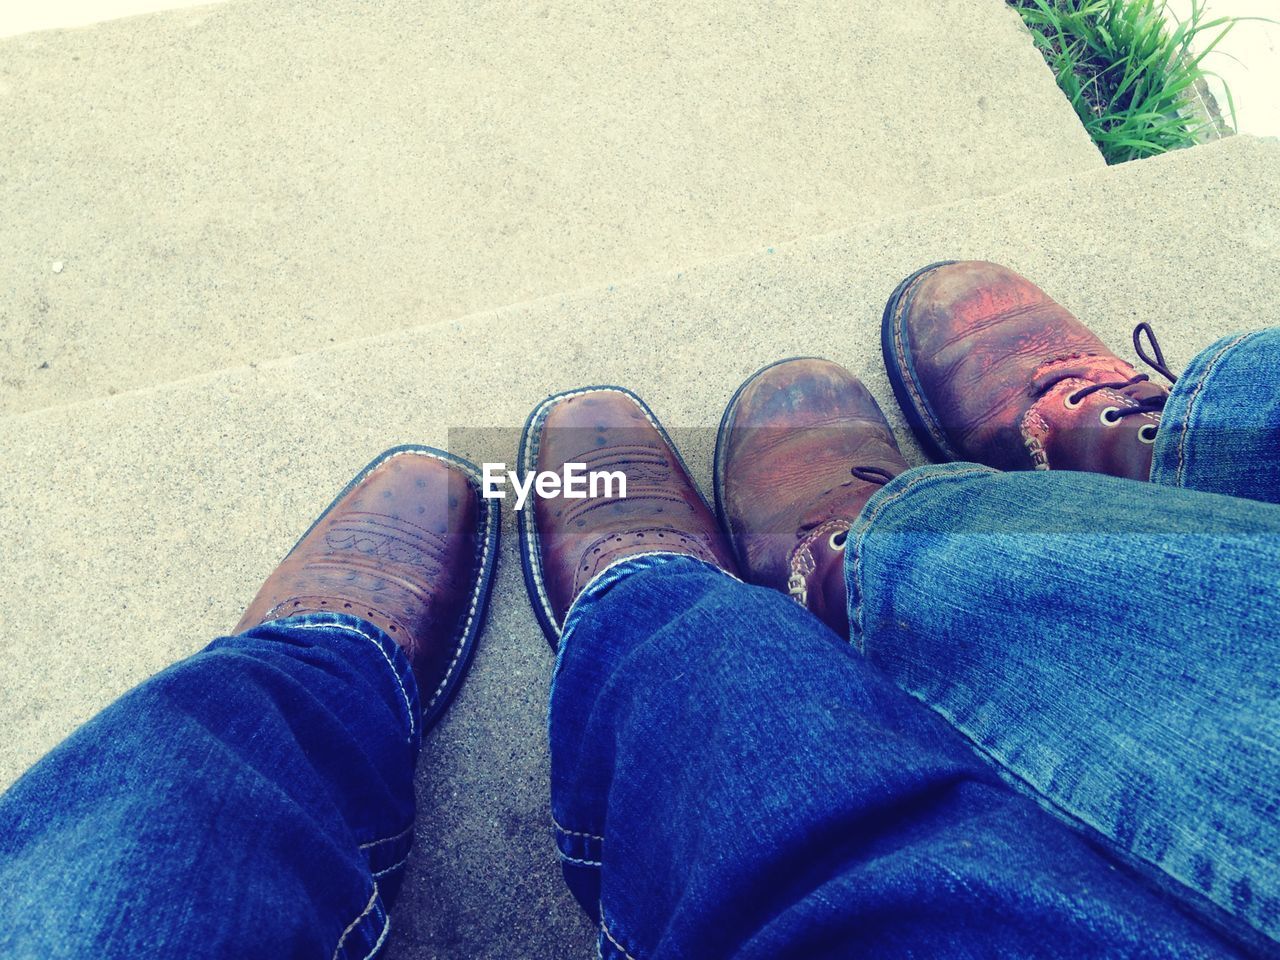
988	368
802	447
567	541
409	546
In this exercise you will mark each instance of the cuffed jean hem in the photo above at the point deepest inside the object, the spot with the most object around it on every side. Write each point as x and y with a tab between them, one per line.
378	657
382	660
1218	429
895	492
253	800
608	578
377	654
579	850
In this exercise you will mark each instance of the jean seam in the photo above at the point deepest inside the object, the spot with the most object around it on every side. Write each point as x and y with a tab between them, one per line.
578	848
403	845
379	842
1180	473
395	866
386	927
865	521
575	833
604	928
382	938
577	862
622	561
404	694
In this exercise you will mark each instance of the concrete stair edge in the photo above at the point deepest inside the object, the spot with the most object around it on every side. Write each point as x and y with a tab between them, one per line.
344	170
1190	157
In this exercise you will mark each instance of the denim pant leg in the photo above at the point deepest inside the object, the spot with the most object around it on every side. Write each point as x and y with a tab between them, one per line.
1220	431
253	801
1112	647
730	779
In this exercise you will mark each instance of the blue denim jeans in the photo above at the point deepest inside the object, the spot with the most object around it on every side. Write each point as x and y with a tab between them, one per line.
1056	732
1054	735
253	801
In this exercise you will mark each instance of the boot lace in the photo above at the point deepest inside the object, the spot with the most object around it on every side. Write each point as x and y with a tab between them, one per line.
1155	360
876	475
872	475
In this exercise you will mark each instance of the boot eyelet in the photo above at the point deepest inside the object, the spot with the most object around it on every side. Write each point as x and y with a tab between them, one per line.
838	540
1071	402
1110	416
1147	433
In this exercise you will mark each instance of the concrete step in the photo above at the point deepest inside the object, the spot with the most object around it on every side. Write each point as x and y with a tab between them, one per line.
199	189
137	527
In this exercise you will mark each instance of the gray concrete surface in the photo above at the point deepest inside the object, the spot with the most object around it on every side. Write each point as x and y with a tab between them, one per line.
137	527
244	181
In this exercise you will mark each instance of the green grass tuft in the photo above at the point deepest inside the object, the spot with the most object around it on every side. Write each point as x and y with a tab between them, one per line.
1128	72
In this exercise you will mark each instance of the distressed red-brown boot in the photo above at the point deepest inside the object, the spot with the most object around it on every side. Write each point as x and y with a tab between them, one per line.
802	447
409	546
988	368
567	541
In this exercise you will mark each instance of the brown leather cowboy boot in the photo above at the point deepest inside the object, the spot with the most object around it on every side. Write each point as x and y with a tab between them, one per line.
410	546
568	541
801	449
988	368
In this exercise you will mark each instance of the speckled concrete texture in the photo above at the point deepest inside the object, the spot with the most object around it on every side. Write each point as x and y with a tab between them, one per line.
137	527
199	189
